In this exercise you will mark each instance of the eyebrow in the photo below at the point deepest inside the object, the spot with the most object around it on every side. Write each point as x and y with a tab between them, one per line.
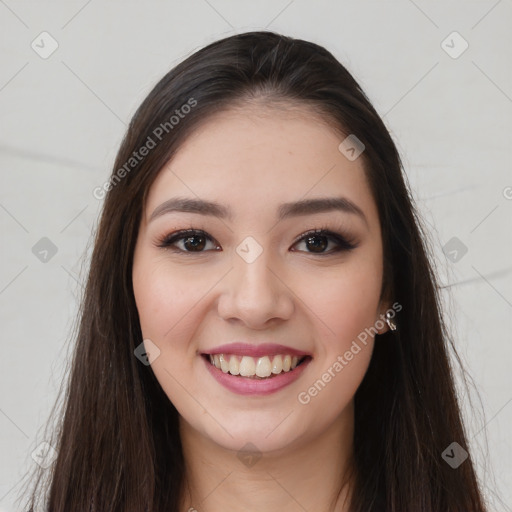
285	210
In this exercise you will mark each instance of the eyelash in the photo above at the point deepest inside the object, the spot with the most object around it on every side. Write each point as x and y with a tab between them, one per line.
344	243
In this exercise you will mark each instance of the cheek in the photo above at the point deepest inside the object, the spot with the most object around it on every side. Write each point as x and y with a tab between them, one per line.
166	299
166	302
346	309
345	302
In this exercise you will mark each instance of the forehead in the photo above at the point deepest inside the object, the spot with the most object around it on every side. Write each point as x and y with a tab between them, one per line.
254	159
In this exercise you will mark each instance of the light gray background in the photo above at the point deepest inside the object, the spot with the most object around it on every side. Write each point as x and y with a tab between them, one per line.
63	118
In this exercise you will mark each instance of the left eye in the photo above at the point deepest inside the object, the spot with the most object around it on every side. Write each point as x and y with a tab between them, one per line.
316	242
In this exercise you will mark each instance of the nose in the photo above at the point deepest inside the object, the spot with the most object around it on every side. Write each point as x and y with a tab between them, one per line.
255	294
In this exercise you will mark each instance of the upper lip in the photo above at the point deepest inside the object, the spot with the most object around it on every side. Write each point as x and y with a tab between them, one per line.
247	349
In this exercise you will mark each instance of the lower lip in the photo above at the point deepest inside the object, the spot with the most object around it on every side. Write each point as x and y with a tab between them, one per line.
247	386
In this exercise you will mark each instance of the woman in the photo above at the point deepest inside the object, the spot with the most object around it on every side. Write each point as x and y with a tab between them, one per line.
261	327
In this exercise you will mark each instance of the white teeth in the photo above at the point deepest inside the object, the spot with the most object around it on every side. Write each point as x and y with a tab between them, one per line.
224	365
277	365
263	367
234	366
247	366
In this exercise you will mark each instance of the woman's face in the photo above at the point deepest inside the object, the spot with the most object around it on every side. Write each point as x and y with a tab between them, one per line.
253	277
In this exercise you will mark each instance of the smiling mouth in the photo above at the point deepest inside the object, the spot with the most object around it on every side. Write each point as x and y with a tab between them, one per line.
261	368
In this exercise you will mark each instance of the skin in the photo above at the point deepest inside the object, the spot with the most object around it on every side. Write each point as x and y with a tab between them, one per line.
252	160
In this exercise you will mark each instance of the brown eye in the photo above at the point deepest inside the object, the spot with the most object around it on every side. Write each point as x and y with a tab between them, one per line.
317	241
195	243
187	241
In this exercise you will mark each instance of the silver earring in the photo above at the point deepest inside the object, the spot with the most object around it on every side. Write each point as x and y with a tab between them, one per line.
390	322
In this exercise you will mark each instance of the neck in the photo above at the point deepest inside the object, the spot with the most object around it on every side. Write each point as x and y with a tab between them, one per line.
302	476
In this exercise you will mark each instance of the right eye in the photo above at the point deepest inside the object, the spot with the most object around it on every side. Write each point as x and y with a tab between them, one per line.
191	240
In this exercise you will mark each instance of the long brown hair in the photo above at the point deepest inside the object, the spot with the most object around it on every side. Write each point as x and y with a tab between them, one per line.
117	437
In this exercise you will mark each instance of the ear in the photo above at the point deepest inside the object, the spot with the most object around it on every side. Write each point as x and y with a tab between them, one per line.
380	322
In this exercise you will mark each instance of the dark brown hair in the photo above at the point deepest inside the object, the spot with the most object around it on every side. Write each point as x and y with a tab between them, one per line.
117	436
